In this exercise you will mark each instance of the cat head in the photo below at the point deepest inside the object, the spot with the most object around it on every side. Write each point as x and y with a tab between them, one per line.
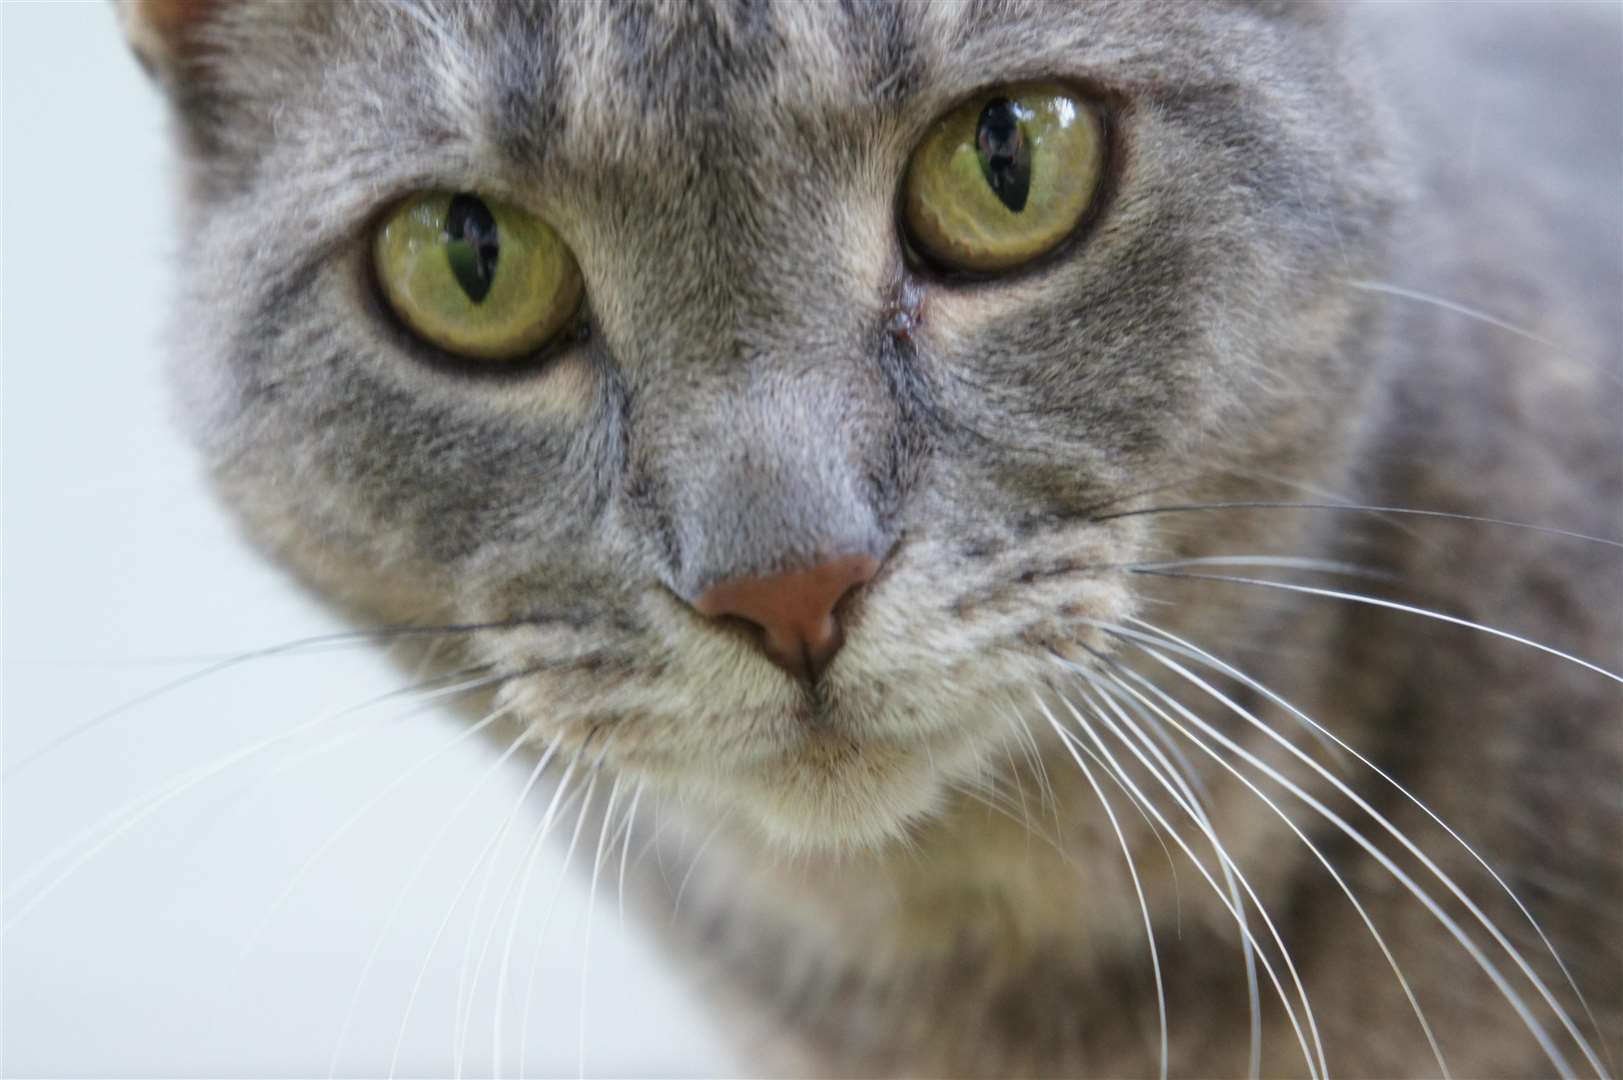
790	497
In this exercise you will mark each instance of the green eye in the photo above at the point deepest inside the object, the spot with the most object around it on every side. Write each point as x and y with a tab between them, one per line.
1004	178
475	276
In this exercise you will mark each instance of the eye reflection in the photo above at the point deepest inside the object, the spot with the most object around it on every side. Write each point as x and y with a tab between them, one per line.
472	244
1004	154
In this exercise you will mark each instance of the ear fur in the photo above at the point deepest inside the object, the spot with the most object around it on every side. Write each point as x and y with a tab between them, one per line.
161	32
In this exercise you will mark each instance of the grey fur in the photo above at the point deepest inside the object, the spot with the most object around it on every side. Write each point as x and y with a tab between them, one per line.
763	378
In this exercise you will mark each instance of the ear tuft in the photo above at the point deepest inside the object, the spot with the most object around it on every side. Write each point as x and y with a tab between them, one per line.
161	31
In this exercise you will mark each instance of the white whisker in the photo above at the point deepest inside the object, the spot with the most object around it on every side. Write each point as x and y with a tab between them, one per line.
625	847
1155	831
1235	879
1138	890
1238	915
1357	508
1019	788
1394	606
1482	961
223	821
299	647
987	794
676	906
411	879
1179	767
546	923
1278	562
439	931
1192	805
355	818
1205	657
1346	890
1034	759
526	870
1478	315
591	907
465	988
131	813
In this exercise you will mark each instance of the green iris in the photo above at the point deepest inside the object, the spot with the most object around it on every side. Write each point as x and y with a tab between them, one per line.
477	277
1004	178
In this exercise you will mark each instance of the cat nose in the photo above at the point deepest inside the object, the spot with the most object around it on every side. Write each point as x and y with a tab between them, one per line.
794	610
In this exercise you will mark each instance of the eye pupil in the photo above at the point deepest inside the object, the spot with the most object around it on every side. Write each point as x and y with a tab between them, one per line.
1004	153
471	244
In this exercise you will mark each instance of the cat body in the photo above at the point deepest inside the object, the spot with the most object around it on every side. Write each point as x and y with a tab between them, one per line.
912	869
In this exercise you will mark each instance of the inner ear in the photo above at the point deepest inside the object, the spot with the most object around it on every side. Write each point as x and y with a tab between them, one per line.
161	32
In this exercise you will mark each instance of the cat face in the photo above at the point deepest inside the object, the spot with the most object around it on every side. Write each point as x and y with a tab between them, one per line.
763	374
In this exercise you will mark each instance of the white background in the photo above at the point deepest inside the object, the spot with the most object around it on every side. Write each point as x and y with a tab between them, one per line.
119	575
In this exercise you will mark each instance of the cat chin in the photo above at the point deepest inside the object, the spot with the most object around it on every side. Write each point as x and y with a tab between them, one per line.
835	794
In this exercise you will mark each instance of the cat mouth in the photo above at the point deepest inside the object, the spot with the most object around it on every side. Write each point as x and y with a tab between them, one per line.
838	765
912	705
817	706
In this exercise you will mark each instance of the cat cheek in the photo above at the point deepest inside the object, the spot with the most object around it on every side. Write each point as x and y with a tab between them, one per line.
959	318
566	392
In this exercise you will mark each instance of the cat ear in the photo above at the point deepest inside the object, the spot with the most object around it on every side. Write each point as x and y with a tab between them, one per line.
163	32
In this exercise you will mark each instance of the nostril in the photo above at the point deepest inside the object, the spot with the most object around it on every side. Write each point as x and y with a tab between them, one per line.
795	611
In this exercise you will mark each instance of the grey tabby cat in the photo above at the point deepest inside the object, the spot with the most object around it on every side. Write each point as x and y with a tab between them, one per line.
937	446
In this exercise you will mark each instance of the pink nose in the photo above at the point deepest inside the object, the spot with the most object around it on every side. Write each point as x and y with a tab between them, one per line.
795	611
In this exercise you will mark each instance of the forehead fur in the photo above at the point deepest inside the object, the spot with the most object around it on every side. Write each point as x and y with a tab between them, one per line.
745	137
609	86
